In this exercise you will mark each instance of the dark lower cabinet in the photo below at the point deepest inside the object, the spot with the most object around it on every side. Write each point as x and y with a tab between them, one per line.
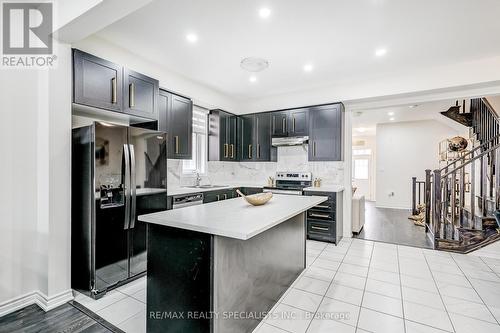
326	125
251	190
97	82
140	94
175	116
212	196
324	221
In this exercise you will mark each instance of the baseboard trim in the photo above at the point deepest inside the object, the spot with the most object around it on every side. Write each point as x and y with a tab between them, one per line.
38	298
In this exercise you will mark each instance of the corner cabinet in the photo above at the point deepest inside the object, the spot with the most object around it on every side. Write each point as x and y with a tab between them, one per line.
326	125
255	137
222	136
101	84
176	118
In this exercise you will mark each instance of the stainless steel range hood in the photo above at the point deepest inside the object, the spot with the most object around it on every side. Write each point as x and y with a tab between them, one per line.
290	141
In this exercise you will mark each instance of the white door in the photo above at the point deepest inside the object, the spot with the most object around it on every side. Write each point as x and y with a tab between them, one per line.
362	174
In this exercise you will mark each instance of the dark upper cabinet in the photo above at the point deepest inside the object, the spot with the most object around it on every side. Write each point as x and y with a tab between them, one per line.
246	136
97	82
298	122
279	121
222	136
325	133
255	137
262	137
175	116
180	128
140	94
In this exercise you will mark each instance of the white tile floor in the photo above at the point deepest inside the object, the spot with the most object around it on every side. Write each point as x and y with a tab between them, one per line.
361	286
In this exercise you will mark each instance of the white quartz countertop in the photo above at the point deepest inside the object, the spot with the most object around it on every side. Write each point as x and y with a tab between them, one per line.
235	218
179	190
325	188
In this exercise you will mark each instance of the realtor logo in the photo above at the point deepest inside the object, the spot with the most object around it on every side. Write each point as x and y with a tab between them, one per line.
27	28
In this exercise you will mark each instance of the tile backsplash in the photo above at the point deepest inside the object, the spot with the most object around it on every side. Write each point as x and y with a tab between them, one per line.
292	158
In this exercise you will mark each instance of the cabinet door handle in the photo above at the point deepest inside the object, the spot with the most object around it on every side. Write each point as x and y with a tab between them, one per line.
249	151
113	90
226	150
176	138
283	125
225	196
319	228
131	91
321	206
258	150
274	124
232	150
218	197
320	215
293	124
314	148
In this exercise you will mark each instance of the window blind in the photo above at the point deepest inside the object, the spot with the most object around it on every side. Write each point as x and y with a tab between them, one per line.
200	120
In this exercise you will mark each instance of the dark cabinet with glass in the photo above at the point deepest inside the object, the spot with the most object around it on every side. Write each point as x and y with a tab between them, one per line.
222	136
176	118
325	133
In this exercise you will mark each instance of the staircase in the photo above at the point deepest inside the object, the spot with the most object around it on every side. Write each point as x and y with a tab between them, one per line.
461	197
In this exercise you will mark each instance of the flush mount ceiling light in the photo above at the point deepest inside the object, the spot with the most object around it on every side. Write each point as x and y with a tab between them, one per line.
308	67
380	52
264	12
192	38
252	79
254	65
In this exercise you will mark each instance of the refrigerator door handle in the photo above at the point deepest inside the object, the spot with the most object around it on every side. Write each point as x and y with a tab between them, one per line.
126	158
132	187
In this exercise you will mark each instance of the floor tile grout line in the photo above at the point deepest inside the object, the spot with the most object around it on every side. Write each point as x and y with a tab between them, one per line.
478	293
329	285
364	290
441	296
401	290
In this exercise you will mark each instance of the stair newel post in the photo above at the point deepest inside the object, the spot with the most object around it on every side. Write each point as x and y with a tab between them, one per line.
445	201
414	195
497	179
427	199
453	203
484	184
461	195
436	206
472	191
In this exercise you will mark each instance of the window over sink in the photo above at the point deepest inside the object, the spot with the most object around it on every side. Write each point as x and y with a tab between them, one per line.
199	143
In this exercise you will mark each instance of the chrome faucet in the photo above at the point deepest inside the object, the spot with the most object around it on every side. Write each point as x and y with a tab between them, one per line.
198	179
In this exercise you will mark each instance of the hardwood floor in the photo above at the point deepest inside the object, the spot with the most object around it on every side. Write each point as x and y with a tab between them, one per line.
68	318
392	226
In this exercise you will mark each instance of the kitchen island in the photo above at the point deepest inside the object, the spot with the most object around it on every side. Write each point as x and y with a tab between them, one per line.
219	267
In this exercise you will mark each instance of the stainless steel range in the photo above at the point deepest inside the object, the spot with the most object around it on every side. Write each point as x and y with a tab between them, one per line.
291	183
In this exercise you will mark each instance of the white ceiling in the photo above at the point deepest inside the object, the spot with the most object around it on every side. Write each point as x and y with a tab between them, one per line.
364	123
339	37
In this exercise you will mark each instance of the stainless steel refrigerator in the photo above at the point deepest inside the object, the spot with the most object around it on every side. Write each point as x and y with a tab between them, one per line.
118	173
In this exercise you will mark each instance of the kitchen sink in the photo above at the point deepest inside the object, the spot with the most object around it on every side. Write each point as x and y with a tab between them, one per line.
206	186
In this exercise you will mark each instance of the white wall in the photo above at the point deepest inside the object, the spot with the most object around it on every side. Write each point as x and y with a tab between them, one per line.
201	95
405	150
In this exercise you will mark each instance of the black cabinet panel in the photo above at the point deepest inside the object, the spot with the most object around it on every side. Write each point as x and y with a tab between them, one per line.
298	122
263	137
140	94
164	103
222	136
325	133
212	196
247	138
279	120
96	82
180	127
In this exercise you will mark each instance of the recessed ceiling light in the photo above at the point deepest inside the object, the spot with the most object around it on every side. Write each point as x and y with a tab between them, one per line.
252	79
380	52
308	67
192	38
264	12
361	129
390	113
392	119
